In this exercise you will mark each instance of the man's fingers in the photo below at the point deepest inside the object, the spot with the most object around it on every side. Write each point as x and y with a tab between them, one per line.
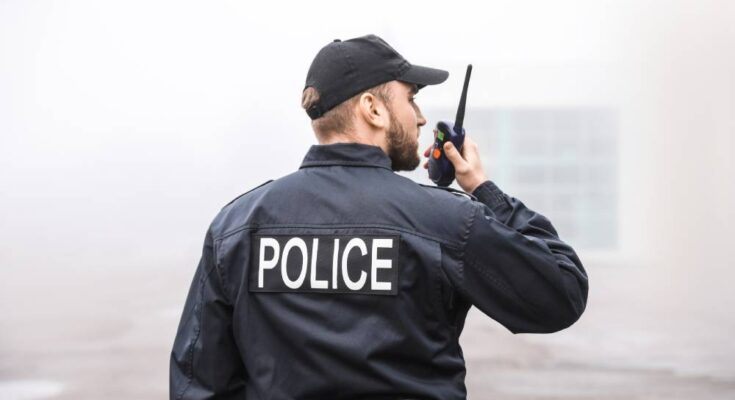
454	157
428	151
469	149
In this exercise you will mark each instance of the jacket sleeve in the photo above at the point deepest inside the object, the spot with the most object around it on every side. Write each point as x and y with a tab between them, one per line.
205	361
517	270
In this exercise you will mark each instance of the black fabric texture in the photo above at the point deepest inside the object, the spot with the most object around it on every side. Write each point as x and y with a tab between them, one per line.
442	252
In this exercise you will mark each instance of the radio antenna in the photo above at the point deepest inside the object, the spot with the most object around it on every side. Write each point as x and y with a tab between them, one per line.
462	101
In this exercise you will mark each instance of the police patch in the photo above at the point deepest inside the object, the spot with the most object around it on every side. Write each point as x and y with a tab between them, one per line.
358	264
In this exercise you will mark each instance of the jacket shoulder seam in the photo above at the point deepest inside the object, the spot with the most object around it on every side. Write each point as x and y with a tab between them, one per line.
245	227
243	194
455	192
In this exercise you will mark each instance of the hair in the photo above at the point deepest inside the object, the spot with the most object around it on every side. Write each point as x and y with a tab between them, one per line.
339	118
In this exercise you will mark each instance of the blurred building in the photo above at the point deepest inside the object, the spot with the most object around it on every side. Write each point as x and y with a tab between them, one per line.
561	162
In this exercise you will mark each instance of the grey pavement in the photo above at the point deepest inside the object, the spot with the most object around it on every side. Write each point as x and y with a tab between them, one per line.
76	334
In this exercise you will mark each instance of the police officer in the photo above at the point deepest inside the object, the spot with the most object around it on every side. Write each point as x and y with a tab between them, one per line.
344	280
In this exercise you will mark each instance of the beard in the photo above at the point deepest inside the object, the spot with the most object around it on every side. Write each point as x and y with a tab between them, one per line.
402	148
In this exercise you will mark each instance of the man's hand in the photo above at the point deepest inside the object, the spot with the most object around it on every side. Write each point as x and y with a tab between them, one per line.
467	166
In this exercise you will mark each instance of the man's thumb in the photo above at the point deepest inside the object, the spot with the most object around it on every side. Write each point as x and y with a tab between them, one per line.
453	155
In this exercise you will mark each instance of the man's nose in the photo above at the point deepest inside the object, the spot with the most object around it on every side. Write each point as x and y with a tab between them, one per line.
421	121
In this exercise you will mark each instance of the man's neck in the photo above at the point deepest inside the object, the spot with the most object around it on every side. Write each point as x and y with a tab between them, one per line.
350	137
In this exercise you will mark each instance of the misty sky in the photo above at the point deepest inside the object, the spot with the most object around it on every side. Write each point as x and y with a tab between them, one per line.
125	126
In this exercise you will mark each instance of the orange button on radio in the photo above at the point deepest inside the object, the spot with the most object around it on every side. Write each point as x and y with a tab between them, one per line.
437	153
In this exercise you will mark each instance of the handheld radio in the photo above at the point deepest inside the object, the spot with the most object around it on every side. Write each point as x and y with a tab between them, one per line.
441	170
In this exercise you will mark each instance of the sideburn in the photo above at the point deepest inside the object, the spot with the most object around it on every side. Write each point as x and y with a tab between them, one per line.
402	151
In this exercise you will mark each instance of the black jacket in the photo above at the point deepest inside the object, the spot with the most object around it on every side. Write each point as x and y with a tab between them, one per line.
344	280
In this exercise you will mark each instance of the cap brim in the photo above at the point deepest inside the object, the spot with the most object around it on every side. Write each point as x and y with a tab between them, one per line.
423	76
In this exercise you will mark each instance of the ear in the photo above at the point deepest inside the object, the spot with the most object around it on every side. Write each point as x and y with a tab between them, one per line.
372	111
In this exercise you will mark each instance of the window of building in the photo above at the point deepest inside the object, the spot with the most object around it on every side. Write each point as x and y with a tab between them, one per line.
560	162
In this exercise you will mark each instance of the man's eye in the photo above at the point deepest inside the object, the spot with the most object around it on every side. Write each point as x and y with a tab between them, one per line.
412	99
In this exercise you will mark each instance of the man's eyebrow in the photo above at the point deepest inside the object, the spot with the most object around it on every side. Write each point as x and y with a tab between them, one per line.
414	89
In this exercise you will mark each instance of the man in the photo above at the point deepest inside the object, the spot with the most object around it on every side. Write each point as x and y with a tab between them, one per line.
345	280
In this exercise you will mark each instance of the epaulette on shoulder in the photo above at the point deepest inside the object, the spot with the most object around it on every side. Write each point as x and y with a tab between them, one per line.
450	190
259	186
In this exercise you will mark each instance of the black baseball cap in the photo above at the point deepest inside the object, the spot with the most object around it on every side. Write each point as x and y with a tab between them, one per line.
343	69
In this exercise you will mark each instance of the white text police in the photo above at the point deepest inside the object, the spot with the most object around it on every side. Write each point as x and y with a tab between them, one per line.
365	264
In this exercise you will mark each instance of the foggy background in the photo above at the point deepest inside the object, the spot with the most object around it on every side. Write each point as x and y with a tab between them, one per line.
126	126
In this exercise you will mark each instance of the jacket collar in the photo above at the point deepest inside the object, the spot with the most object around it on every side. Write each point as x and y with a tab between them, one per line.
347	154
